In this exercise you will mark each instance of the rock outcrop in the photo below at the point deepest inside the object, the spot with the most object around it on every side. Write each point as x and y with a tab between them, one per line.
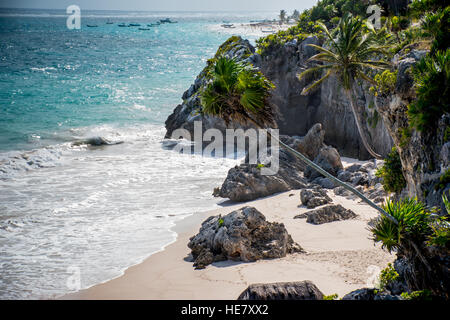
314	197
370	294
424	155
329	160
296	114
243	235
328	213
245	182
302	290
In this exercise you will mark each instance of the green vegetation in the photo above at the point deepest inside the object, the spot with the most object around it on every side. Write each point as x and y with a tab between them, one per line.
444	179
230	44
385	83
388	276
352	49
333	296
417	295
220	222
260	165
432	80
412	228
276	40
237	92
391	173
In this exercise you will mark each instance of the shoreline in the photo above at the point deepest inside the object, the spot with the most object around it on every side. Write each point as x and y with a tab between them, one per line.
340	258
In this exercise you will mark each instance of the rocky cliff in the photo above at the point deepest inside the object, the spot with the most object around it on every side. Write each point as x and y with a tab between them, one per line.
425	156
296	114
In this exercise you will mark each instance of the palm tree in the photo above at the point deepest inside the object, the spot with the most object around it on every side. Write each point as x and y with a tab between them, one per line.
349	58
238	92
282	16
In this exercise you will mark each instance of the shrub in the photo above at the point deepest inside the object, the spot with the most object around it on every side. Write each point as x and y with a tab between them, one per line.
388	276
437	26
413	225
444	179
333	296
417	295
278	39
391	173
385	83
432	81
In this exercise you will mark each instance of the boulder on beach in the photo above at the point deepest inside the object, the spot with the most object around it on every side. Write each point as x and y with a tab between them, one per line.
245	182
242	235
327	214
301	290
329	160
314	197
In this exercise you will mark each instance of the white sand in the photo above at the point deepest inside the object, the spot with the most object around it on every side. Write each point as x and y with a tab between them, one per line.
249	30
340	258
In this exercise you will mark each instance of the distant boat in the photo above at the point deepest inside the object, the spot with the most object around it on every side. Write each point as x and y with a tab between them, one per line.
109	22
153	24
92	25
167	20
228	26
122	25
134	25
145	29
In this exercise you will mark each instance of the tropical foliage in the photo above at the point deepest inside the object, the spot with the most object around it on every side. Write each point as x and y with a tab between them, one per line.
387	276
412	228
351	50
237	92
391	173
432	82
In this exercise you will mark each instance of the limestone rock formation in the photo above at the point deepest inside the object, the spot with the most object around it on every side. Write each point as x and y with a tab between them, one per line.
244	235
328	213
302	290
314	197
329	160
245	182
295	113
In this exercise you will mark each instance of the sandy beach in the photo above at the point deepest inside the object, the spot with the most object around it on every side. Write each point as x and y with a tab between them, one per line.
252	29
340	257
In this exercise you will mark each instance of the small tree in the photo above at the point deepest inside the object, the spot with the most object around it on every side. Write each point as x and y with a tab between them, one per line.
282	16
349	56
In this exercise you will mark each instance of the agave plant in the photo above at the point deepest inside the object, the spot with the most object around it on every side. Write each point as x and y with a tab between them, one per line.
349	56
412	227
238	92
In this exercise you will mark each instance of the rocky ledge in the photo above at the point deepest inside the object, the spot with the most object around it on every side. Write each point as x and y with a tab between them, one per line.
302	290
242	235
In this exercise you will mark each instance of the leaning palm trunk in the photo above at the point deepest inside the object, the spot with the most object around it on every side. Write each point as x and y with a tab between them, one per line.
361	132
329	176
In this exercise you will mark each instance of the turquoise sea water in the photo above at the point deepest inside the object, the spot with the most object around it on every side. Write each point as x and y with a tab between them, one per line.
98	210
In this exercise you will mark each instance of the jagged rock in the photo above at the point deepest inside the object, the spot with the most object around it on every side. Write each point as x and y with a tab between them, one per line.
302	290
329	160
296	113
245	182
314	197
364	294
370	294
243	234
329	213
325	183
